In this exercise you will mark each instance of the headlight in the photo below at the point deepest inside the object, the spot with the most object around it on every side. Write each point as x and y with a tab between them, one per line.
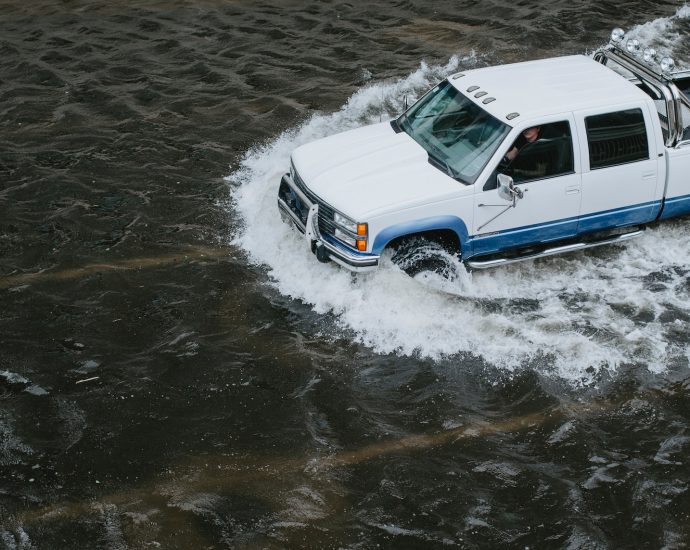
345	222
345	237
667	64
633	46
617	34
649	54
350	232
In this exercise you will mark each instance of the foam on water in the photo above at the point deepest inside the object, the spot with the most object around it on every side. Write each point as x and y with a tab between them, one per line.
665	34
569	316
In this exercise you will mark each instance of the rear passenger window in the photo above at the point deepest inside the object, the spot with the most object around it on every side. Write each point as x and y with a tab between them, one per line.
616	138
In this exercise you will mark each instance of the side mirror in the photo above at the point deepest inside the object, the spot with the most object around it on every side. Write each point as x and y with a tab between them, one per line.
507	190
505	186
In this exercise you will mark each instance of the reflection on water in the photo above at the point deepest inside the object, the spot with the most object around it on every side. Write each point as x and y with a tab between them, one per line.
20	282
175	369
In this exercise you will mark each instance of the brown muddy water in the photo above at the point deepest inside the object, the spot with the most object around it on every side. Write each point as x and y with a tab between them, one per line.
177	372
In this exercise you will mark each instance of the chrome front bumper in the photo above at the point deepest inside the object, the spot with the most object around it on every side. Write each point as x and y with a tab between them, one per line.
323	246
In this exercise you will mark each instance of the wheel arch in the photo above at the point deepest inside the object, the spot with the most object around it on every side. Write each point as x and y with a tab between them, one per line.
440	227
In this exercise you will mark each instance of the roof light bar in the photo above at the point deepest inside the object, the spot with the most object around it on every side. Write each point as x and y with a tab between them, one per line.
632	46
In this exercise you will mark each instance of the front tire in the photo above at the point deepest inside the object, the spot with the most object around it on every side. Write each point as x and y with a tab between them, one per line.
418	254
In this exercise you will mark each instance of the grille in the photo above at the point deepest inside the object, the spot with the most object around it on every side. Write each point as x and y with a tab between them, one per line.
326	212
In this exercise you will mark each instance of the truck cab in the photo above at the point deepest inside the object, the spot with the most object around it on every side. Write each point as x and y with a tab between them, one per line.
502	164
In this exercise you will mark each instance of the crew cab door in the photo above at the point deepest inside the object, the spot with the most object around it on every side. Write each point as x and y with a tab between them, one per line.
547	173
622	180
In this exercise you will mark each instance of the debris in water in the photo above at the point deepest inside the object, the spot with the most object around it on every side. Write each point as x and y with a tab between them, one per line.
87	380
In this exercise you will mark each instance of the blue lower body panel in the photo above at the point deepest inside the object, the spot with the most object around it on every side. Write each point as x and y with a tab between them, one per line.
676	206
638	214
523	236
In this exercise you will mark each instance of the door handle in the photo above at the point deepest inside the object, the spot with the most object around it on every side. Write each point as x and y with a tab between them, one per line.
649	175
572	190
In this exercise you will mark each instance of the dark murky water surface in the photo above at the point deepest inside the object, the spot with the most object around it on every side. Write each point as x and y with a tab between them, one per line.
160	387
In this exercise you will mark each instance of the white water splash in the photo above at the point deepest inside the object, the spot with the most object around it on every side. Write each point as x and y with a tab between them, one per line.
569	316
665	35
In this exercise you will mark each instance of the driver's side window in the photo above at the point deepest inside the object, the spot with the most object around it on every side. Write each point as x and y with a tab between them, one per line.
548	156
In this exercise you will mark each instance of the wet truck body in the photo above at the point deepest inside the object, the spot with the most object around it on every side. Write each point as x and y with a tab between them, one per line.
612	156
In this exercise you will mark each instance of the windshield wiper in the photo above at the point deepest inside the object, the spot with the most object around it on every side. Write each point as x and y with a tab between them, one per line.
446	167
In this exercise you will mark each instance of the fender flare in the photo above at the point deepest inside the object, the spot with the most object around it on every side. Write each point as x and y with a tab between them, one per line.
448	223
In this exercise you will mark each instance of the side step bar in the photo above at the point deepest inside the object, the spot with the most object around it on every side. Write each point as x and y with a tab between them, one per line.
485	264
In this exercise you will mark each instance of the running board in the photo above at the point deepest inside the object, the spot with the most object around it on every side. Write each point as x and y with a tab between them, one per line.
485	264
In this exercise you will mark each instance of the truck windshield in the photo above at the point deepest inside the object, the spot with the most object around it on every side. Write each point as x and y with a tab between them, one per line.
459	136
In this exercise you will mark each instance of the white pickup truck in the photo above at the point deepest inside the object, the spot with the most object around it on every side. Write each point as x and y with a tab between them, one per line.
505	163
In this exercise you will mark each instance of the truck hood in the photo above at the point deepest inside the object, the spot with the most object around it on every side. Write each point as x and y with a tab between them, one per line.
372	170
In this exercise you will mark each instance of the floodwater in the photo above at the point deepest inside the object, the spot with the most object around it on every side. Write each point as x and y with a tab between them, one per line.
176	370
